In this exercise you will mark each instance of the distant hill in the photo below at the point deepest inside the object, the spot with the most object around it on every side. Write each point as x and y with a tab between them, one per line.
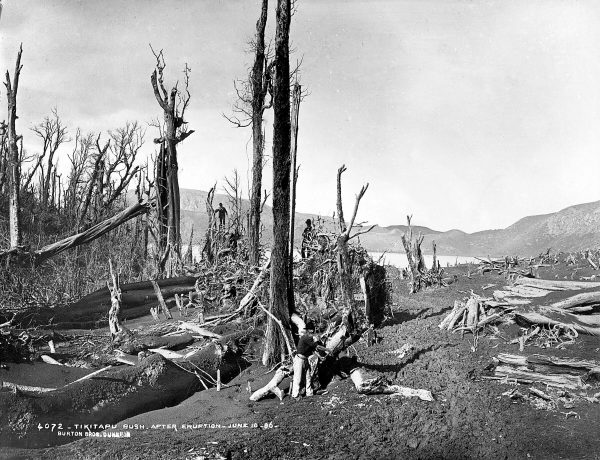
573	228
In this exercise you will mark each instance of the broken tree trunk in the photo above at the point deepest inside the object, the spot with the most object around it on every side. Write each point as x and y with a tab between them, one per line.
115	297
412	248
549	316
14	163
161	301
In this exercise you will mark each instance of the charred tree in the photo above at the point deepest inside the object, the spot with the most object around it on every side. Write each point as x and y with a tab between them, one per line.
279	306
14	166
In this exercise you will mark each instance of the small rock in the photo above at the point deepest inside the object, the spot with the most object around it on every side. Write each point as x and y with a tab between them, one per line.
412	442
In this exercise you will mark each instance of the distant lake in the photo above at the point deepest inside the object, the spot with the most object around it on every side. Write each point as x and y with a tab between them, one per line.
398	259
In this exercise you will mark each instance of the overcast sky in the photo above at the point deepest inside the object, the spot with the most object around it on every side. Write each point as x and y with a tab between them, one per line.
467	114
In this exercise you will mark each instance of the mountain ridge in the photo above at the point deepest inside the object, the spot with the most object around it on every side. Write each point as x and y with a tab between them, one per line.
573	228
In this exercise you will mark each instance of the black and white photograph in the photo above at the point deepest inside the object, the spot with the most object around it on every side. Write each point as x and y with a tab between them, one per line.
299	229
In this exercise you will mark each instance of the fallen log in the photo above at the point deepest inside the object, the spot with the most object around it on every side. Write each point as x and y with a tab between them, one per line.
135	344
525	375
577	301
196	329
549	316
555	285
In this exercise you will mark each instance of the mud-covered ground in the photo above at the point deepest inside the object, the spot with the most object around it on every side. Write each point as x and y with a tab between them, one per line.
470	417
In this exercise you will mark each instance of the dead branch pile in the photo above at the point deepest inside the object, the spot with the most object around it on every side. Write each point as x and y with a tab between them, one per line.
552	324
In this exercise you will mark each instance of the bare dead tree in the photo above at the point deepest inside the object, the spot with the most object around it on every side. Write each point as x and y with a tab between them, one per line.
14	165
279	307
210	249
234	196
121	168
53	133
174	131
249	111
96	172
343	256
77	175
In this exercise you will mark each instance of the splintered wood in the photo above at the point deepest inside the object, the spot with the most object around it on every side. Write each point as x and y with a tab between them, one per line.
547	370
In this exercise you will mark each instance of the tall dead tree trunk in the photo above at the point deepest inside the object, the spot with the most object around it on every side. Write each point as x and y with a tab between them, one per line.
296	97
14	176
279	307
173	104
260	80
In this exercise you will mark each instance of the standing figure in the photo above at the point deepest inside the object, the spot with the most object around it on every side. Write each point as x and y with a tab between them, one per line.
308	235
307	345
222	212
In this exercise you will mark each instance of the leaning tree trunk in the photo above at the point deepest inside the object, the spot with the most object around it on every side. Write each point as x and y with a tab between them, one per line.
260	82
274	342
14	178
